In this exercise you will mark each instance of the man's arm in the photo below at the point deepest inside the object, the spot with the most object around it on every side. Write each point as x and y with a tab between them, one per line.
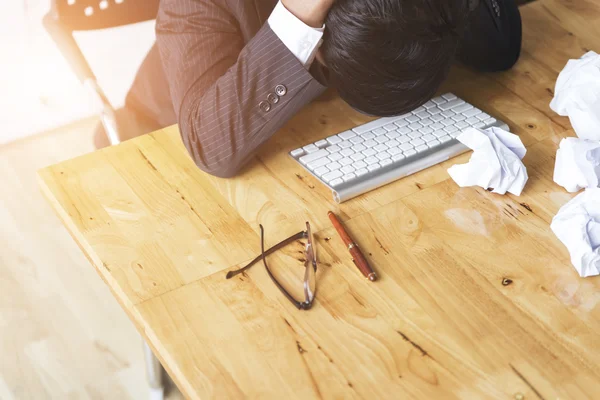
221	87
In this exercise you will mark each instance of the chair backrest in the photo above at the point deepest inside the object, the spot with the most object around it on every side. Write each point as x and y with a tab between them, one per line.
83	15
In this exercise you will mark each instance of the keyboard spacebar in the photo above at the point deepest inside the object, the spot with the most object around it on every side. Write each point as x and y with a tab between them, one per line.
379	178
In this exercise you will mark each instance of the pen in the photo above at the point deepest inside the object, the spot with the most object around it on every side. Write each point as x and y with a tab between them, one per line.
357	256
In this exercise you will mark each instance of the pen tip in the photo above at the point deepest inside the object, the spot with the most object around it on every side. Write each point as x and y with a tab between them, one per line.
373	277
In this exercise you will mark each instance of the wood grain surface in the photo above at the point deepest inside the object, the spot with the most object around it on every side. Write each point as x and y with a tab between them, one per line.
476	297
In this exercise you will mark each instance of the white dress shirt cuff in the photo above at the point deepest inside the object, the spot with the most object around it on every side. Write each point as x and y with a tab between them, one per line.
302	40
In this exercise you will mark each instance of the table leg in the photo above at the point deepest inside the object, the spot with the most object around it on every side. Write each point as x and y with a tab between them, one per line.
154	373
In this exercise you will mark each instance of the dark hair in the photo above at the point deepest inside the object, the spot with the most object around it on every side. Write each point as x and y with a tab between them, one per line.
387	57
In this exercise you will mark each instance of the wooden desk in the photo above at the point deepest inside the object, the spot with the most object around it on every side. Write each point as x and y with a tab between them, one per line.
477	298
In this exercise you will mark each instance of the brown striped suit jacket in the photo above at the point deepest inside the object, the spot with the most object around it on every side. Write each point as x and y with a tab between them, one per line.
222	60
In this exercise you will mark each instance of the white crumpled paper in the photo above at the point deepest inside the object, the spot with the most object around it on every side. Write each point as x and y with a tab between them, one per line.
495	163
577	95
577	164
577	225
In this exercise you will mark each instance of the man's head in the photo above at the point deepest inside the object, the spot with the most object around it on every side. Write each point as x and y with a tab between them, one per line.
386	57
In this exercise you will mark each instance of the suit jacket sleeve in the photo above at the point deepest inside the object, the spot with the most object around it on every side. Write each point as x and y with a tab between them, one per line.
217	82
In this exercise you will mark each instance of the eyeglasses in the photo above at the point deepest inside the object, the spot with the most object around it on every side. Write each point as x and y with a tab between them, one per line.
310	266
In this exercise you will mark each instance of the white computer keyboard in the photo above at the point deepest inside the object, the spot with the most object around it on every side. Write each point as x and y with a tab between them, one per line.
382	151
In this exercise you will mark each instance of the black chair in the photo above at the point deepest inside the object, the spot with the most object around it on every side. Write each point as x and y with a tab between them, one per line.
68	16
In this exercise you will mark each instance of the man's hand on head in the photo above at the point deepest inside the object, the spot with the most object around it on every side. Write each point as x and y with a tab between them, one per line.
311	12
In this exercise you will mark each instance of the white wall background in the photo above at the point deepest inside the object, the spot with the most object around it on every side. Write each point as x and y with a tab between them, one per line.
38	91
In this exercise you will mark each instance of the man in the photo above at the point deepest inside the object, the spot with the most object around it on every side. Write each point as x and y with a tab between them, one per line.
237	70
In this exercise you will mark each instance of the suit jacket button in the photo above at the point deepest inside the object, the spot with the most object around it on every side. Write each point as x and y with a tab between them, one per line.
273	98
265	106
280	90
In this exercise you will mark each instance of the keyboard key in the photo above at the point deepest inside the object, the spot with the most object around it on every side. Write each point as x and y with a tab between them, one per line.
472	112
449	96
428	138
413	118
445	139
426	121
321	143
347	135
461	125
334	139
448	113
440	132
415	134
394	150
380	147
321	171
417	142
335	157
425	130
297	153
415	125
334	165
410	152
348	177
360	164
451	104
383	155
451	129
336	182
347	152
357	156
421	148
385	162
369	152
483	116
398	157
438	100
418	110
462	108
393	135
404	131
448	122
381	139
367	136
435	111
472	121
433	143
489	121
429	104
318	163
423	114
371	160
392	143
313	156
406	146
370	143
357	139
459	117
347	169
390	127
330	176
379	132
345	144
374	124
479	125
346	161
437	118
374	167
404	139
361	171
358	148
437	126
311	148
333	149
401	123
